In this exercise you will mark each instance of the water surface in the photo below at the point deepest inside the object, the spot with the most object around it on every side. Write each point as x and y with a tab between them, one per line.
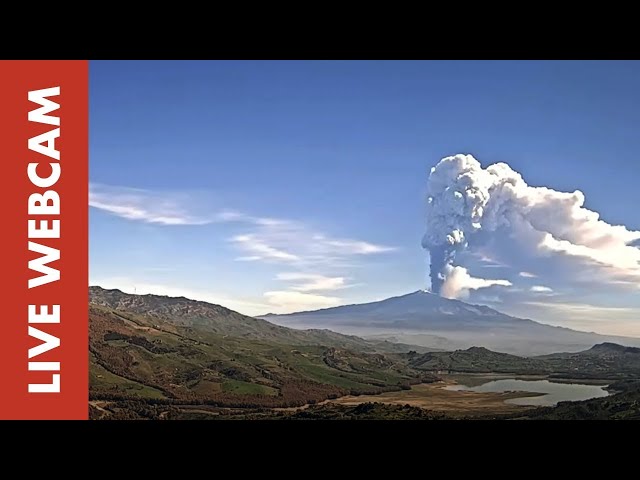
550	392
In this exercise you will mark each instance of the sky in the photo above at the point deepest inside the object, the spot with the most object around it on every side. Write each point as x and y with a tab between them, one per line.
280	186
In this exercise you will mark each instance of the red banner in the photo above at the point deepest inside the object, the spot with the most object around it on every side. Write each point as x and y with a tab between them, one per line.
44	142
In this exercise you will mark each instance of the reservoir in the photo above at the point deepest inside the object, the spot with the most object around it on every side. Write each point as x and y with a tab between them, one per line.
550	392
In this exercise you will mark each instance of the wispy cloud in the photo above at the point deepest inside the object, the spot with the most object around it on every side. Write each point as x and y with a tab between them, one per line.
527	275
165	207
310	282
270	240
265	238
292	301
277	301
586	316
296	244
144	206
287	241
355	247
261	250
540	289
578	307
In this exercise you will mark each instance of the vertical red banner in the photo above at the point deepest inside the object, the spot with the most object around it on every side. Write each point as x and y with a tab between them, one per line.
44	149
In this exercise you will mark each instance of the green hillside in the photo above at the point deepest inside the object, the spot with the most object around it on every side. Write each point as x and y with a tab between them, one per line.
200	318
139	356
476	360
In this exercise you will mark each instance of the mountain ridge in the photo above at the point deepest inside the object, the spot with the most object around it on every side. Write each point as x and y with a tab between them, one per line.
604	360
419	317
172	359
185	312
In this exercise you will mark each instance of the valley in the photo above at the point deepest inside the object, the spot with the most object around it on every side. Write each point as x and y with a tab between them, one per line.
155	357
438	398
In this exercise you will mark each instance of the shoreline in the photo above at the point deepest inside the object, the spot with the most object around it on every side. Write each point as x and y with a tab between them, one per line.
437	398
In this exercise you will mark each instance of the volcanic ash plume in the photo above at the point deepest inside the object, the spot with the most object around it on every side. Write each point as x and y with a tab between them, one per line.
456	196
465	201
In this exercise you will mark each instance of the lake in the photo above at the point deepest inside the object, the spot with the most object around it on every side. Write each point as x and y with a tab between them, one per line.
550	392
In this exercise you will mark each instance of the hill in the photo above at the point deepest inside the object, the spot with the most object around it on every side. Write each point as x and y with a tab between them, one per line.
477	360
608	360
197	317
426	319
163	357
178	358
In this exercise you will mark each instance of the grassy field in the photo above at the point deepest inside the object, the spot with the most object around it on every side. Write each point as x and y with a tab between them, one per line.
140	356
436	398
102	380
175	358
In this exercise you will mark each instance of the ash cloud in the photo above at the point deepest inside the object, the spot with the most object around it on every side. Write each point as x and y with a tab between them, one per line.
492	212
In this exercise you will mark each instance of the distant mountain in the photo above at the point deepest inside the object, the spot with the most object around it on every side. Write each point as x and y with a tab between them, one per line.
203	316
427	319
408	311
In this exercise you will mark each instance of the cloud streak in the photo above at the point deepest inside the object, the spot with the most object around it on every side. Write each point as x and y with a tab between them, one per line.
541	289
260	250
265	238
285	301
310	282
526	275
275	241
356	247
142	205
583	316
295	243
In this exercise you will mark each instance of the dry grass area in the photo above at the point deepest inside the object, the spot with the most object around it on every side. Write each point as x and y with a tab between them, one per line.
434	396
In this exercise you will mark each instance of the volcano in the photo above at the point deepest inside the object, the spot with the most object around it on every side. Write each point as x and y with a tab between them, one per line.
426	319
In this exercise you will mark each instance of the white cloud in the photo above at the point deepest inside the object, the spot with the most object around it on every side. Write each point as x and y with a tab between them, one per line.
261	250
527	275
287	241
259	239
165	208
142	205
356	247
540	289
290	301
267	239
309	282
272	301
459	282
582	307
583	316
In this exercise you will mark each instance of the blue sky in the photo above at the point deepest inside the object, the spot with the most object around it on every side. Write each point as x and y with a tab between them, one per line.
281	186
